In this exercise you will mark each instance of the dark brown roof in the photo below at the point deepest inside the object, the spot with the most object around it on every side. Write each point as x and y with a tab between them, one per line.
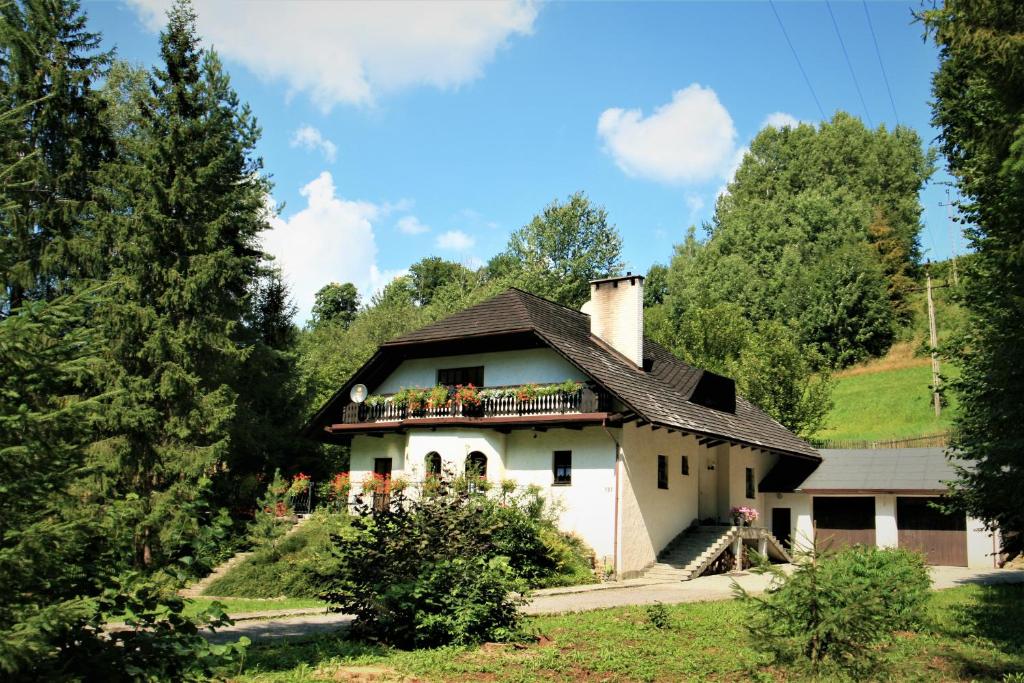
660	396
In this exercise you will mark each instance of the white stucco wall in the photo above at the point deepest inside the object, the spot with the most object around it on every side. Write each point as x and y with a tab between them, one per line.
501	368
979	540
651	517
799	504
587	506
366	448
886	531
733	462
981	545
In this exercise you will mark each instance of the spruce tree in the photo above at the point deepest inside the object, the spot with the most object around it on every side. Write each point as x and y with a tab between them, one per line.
272	398
184	206
50	153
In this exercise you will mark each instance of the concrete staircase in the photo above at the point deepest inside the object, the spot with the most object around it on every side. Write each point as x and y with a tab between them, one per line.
690	553
694	550
196	589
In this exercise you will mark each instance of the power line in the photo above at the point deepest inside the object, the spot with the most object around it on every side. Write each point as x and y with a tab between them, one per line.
849	64
797	58
881	65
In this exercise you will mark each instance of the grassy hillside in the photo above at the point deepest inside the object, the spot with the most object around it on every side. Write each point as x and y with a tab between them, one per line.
890	397
888	403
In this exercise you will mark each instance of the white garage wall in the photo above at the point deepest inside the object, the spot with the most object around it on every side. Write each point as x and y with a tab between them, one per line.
981	545
651	517
979	540
501	368
799	504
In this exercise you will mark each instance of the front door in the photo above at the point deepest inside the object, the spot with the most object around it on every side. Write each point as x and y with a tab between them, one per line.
782	521
707	482
382	494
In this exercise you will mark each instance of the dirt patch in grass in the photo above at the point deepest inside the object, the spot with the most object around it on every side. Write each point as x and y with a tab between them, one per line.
901	355
365	674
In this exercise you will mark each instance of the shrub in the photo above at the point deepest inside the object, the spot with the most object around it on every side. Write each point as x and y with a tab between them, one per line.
446	567
834	608
573	559
658	615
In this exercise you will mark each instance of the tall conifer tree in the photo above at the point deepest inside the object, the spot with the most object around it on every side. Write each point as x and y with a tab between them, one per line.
186	204
51	150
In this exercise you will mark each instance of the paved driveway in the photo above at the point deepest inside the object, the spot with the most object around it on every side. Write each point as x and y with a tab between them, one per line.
601	596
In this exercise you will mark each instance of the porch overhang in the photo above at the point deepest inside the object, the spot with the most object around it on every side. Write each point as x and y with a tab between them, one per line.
564	420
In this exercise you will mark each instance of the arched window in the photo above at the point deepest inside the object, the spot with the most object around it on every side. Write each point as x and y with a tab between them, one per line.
476	470
432	464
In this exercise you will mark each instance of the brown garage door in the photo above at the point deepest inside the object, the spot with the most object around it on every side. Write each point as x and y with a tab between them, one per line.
844	521
941	537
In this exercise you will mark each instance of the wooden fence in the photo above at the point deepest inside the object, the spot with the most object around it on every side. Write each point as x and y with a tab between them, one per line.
931	441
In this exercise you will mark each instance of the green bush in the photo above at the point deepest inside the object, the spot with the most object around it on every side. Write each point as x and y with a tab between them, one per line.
449	565
898	579
573	560
834	608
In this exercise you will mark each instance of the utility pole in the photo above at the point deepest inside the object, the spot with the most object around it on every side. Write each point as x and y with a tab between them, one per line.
934	339
951	232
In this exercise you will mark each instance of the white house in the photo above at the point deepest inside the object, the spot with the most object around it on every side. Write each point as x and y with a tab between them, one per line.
641	450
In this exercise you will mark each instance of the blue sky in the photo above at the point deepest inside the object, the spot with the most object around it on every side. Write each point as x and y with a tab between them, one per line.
397	131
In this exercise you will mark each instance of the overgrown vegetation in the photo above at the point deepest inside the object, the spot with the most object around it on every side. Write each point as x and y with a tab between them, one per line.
285	567
446	563
832	611
967	633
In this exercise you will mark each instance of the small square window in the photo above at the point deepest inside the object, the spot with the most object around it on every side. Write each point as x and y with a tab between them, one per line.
563	468
662	472
685	470
751	489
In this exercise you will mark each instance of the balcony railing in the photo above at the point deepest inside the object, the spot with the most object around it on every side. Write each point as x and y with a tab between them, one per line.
584	400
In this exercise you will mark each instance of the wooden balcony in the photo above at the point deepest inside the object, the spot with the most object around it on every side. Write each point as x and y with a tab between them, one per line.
584	401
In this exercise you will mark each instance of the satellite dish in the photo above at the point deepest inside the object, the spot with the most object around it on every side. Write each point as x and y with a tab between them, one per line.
358	393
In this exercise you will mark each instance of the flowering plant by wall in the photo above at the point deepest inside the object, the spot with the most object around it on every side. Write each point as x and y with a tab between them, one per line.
744	515
467	395
373	483
438	397
299	484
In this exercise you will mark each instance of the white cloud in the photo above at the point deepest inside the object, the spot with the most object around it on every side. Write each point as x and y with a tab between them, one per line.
694	203
330	240
308	137
410	225
350	52
780	119
690	139
455	240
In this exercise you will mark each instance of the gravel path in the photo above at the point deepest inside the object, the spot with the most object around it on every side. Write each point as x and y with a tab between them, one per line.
584	598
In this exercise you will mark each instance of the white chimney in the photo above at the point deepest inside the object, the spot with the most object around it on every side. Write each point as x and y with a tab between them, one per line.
616	310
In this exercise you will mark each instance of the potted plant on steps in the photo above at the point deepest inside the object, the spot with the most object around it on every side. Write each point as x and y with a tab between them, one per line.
743	516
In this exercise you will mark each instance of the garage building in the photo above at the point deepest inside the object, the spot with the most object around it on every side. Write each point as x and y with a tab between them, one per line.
884	497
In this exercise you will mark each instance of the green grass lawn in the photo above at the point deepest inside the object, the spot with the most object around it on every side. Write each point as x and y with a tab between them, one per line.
971	633
243	605
889	404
